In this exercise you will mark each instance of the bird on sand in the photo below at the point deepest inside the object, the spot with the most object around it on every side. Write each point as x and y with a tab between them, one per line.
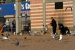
5	37
17	43
25	37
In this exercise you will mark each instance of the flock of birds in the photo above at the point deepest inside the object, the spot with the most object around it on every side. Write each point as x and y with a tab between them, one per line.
7	37
17	42
31	33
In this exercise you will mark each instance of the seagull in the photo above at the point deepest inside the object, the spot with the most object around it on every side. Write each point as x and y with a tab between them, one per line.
5	37
60	38
17	43
20	33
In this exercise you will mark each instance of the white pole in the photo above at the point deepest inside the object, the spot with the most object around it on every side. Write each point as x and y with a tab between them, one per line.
26	0
18	19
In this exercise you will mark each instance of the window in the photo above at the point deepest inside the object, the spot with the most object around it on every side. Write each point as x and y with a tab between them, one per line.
58	5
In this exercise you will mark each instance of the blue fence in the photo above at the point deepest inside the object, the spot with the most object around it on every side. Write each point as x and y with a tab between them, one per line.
9	9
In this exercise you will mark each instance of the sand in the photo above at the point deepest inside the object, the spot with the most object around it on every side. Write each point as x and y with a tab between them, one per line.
45	42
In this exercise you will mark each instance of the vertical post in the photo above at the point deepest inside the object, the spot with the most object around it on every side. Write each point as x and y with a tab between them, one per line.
26	0
26	15
44	13
18	19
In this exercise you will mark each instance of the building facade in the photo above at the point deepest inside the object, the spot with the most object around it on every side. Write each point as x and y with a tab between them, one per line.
43	10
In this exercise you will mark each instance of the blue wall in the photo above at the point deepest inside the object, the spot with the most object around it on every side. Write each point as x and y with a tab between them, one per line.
9	9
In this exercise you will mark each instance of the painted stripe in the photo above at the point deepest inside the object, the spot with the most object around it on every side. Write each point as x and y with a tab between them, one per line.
33	21
37	24
36	10
67	14
51	4
53	9
33	8
36	27
36	16
51	12
36	1
48	8
37	19
66	6
61	18
57	16
68	23
59	12
64	20
35	4
67	3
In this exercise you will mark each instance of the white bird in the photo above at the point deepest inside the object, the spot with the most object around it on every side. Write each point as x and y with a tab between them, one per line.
14	33
6	37
60	38
20	33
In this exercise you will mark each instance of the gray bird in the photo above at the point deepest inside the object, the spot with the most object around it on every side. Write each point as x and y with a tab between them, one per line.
7	34
17	43
25	37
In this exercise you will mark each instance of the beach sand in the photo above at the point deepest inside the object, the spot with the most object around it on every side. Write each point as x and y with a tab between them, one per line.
45	42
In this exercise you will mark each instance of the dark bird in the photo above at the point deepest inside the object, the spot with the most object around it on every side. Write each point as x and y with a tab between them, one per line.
25	37
17	43
7	34
2	34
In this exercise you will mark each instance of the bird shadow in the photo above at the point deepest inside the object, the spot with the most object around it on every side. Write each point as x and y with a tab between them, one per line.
48	40
12	43
23	45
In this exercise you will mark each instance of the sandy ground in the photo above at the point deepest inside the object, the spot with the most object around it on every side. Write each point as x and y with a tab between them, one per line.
45	42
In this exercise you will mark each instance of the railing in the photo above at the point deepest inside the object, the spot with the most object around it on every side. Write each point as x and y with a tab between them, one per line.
25	26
